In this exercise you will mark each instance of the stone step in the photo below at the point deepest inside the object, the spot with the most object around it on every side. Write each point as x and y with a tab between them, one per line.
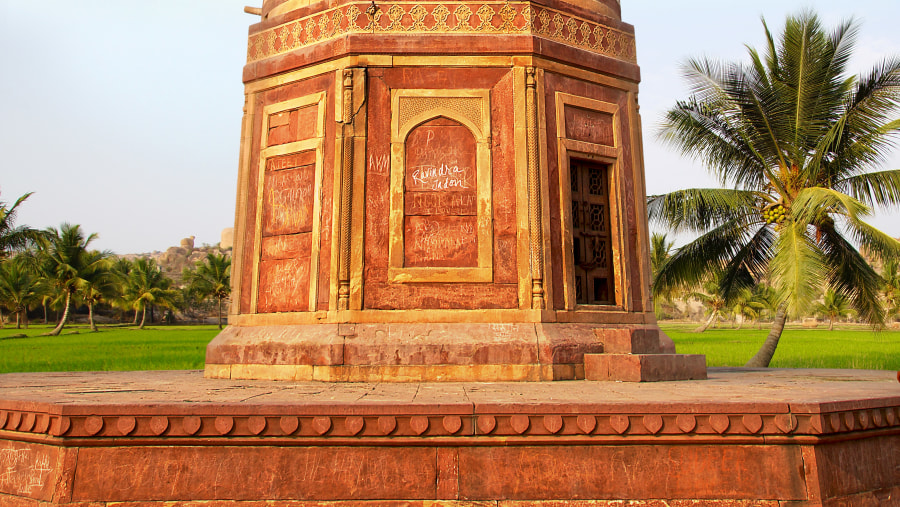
644	367
628	341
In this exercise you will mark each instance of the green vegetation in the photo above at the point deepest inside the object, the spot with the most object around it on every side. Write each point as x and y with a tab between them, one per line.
857	347
110	349
797	142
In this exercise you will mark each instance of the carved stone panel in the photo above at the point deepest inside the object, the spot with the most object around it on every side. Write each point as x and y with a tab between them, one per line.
589	126
440	196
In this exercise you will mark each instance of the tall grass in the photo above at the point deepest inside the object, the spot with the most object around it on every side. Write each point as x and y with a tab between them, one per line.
855	347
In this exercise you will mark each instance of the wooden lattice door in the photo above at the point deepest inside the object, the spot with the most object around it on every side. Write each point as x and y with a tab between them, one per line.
591	234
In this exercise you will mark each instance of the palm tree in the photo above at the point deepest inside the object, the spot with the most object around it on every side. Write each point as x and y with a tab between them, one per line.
67	263
97	284
890	272
20	288
211	278
745	305
12	237
148	286
712	300
660	251
833	305
796	142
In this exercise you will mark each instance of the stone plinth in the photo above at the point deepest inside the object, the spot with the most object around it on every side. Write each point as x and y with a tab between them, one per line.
438	191
741	438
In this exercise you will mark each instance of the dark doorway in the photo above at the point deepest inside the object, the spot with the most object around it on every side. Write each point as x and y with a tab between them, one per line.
591	233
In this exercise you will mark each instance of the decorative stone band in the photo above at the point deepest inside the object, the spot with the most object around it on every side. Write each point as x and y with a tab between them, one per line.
435	18
18	425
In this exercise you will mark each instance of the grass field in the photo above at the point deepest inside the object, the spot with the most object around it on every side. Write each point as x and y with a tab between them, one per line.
855	347
183	348
113	348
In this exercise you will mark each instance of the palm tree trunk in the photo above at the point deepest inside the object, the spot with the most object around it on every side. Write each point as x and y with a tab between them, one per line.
91	316
764	356
220	313
62	321
44	305
831	324
18	319
705	326
143	318
1	319
134	322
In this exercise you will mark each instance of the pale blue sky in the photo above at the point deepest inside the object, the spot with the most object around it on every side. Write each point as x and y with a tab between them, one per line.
124	115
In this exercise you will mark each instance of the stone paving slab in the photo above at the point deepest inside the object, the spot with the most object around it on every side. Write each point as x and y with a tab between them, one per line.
725	386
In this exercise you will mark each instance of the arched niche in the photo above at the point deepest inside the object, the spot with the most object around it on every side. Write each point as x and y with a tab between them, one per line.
441	228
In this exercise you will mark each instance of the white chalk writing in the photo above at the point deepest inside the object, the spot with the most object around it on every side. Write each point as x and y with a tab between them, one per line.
441	177
21	471
380	164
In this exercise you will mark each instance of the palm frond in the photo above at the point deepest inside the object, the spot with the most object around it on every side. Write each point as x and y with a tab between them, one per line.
849	274
797	268
700	209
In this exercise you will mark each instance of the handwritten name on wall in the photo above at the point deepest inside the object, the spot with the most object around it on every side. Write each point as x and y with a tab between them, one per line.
440	155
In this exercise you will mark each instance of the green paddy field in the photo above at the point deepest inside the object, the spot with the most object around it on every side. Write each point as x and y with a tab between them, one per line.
183	347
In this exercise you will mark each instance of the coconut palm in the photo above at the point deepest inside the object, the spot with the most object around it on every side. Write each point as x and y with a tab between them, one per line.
211	278
97	284
797	143
745	305
147	286
833	305
67	262
890	272
713	302
20	288
14	237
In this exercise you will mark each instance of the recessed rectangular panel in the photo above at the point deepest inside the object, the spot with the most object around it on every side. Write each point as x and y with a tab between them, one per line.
283	285
291	246
432	241
292	125
589	126
288	201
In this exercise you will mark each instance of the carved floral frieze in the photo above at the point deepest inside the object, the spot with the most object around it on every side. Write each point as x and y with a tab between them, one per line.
438	18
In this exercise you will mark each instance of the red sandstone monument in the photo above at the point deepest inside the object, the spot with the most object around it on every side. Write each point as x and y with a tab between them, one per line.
442	192
445	192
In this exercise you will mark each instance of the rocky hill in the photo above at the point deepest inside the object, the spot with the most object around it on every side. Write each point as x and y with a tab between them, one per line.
174	259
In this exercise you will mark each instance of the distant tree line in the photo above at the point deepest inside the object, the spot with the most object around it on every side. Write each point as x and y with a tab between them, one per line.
55	271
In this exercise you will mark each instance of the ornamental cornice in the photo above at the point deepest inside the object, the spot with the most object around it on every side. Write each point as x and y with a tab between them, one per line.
375	427
410	18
